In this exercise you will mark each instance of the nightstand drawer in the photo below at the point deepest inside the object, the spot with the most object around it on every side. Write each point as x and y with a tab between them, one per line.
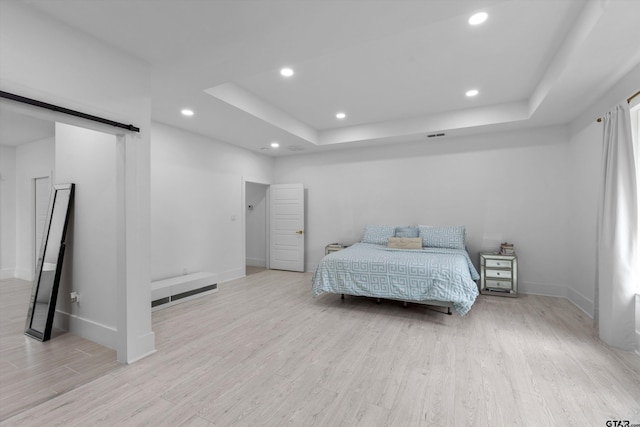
497	263
498	284
499	274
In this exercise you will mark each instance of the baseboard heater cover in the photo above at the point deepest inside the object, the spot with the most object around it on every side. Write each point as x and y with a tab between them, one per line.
161	301
167	300
170	291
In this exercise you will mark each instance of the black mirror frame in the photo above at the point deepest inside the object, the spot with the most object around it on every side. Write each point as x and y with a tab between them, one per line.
54	202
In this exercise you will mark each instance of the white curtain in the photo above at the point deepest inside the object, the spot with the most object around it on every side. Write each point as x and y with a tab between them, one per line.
617	254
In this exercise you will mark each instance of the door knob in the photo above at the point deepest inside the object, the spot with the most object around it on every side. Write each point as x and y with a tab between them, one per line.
299	232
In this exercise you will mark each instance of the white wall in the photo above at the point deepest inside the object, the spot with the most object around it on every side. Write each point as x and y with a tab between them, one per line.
503	187
196	203
7	211
84	74
256	224
88	159
33	160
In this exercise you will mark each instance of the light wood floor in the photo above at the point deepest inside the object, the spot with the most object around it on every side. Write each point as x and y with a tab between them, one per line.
263	352
32	372
250	269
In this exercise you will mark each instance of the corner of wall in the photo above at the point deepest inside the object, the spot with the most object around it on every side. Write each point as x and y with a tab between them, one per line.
226	276
580	301
622	89
23	274
144	345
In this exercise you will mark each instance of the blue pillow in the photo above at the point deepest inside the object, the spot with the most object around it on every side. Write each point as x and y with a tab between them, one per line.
451	237
407	232
378	234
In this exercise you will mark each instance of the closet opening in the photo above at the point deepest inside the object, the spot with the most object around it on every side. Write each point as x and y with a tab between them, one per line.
256	214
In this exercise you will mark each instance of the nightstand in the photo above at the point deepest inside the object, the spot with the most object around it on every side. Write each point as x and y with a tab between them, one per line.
498	274
334	247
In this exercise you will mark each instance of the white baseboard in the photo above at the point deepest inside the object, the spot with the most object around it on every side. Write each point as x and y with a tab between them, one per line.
559	291
88	329
580	301
256	262
228	275
7	273
107	336
544	289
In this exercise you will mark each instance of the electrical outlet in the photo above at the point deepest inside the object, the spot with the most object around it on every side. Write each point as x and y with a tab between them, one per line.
75	297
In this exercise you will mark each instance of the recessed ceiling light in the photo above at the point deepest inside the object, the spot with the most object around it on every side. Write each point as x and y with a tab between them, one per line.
275	145
478	18
286	72
472	92
187	112
341	116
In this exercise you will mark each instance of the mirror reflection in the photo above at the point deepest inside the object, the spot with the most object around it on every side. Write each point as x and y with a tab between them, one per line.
48	270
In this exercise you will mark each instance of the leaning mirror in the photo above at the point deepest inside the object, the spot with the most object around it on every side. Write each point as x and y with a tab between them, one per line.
44	293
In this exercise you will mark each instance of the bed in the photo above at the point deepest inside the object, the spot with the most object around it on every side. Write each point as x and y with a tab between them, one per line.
431	275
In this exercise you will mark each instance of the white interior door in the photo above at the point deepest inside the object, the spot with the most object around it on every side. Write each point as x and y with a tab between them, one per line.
287	227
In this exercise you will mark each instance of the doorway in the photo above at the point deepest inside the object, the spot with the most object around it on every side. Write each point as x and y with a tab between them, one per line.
27	153
42	191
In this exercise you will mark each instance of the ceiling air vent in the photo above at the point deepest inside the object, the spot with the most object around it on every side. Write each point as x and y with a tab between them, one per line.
435	135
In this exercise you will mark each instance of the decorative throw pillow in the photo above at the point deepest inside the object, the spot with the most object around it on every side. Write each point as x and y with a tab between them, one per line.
407	232
451	237
405	242
378	234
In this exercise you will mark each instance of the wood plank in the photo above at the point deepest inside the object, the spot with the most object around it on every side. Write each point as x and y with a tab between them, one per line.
263	351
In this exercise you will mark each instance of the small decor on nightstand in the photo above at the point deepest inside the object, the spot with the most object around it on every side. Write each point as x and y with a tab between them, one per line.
507	249
499	272
334	247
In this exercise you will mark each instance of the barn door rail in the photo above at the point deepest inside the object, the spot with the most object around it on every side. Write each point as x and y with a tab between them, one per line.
64	110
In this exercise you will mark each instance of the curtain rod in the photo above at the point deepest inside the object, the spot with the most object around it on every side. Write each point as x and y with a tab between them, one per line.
75	113
629	99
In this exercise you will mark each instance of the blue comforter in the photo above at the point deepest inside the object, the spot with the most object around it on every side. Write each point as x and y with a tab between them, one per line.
417	275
